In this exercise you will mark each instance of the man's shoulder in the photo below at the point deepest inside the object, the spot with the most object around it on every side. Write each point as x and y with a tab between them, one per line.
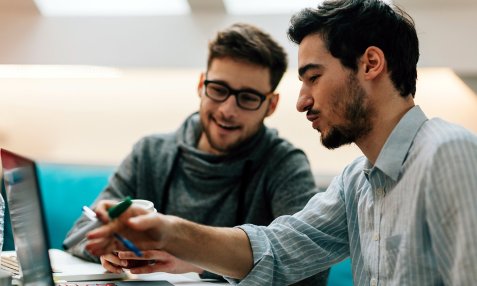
155	142
436	133
277	143
439	141
281	152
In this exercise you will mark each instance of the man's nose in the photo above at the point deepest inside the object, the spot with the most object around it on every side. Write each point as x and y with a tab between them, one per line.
305	100
230	104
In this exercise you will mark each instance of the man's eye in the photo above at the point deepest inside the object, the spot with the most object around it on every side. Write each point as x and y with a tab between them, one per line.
219	90
313	78
249	97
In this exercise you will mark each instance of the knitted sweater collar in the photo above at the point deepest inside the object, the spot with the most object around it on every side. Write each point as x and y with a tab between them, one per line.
230	165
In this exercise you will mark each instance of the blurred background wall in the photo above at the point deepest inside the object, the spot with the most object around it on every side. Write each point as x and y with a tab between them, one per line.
82	87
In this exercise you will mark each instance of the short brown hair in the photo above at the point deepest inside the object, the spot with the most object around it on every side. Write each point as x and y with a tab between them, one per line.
248	43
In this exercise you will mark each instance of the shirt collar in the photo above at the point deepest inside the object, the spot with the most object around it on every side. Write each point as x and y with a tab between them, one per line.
399	142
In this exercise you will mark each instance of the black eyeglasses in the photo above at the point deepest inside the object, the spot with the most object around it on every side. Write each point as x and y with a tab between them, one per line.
246	99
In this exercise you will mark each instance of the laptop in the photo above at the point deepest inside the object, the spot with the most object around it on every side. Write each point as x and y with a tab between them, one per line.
29	232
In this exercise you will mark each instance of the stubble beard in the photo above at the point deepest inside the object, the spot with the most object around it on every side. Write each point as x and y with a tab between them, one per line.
225	149
357	115
222	148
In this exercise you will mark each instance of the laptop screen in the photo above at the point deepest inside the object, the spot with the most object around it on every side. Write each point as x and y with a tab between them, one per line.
29	231
27	219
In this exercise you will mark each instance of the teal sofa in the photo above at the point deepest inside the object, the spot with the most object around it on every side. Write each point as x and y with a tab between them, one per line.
67	188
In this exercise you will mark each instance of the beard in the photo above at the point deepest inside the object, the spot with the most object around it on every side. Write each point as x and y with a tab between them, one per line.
208	115
357	115
222	148
226	146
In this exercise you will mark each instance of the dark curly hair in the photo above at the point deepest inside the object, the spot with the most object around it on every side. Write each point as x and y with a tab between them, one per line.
349	27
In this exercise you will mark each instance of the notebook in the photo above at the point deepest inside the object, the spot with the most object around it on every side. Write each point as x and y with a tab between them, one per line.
29	233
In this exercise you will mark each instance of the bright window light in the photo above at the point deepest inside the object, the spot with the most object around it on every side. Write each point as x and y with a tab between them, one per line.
241	7
263	7
112	7
57	71
166	7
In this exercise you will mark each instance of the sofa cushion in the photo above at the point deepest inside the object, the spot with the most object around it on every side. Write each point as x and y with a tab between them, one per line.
65	189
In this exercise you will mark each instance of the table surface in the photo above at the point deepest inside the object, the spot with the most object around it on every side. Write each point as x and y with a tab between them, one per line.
60	258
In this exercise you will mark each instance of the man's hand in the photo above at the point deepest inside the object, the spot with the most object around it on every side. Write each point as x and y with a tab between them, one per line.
112	263
151	261
211	248
145	229
155	261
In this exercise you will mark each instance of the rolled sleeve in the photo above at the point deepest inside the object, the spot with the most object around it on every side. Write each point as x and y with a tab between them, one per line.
262	260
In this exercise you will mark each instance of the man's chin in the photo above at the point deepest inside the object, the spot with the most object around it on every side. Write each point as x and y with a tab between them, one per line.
335	139
223	148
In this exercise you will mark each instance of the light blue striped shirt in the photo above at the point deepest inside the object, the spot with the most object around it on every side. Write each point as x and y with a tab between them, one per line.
411	219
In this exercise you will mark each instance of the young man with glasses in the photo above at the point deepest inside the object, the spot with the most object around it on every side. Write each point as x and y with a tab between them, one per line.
223	166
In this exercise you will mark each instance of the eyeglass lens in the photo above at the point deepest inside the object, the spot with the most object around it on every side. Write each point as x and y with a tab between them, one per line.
245	99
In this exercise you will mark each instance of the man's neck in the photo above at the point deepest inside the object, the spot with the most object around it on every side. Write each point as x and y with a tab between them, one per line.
204	146
388	114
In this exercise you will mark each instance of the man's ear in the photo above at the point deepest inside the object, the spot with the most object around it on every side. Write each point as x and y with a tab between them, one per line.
374	62
273	104
201	84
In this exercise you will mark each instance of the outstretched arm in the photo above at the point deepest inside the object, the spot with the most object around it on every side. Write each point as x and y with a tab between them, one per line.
210	248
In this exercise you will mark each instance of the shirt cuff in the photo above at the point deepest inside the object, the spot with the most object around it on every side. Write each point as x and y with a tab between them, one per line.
258	241
260	250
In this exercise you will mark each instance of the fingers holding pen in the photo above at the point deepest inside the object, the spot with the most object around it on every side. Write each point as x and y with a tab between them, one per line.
117	222
102	239
135	227
102	242
135	224
148	221
102	208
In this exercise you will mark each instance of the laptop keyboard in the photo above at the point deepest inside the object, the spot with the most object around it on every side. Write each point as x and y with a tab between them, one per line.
9	263
85	284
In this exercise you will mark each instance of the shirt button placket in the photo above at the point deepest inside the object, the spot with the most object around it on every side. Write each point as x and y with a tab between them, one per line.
376	236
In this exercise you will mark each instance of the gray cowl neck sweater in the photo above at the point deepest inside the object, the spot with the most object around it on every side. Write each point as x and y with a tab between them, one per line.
212	184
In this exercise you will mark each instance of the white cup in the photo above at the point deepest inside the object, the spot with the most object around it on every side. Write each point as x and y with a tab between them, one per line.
145	204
